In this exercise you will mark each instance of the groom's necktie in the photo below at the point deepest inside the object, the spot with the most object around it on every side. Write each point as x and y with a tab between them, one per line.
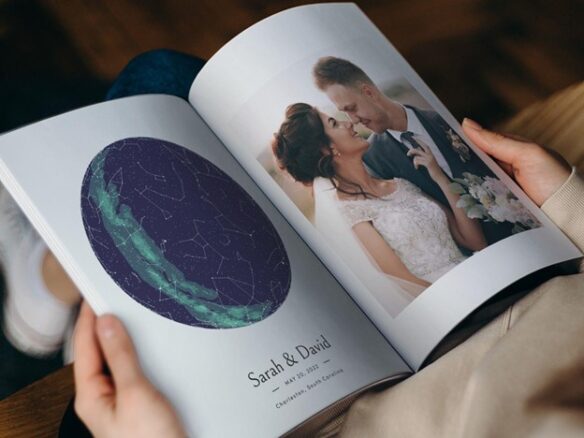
408	136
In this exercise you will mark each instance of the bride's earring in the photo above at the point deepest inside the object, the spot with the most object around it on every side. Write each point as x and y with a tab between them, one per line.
336	153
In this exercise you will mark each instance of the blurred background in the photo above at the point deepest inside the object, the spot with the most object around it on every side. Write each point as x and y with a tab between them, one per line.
483	58
486	59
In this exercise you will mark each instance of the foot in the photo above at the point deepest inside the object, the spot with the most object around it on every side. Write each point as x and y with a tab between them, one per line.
34	321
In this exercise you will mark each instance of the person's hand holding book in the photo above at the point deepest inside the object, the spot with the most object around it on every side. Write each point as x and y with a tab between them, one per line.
539	173
122	402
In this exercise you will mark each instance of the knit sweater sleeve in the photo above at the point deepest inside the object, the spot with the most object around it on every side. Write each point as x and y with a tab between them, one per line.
566	208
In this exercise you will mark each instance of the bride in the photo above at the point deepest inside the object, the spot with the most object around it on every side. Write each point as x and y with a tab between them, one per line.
408	234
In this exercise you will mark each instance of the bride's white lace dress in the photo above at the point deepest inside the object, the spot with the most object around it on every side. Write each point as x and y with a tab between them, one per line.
413	225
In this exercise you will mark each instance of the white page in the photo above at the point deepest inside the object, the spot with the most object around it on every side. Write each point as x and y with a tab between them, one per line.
204	372
242	93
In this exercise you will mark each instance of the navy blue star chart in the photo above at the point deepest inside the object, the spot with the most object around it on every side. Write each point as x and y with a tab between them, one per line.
181	237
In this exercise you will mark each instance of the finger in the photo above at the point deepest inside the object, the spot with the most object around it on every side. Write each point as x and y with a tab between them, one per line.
425	147
93	387
422	155
88	362
119	352
497	145
507	168
414	152
84	344
424	161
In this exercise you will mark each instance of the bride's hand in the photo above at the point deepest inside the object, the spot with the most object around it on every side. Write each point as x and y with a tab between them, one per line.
424	157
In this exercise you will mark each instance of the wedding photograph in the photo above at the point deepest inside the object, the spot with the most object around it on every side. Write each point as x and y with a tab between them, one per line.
388	183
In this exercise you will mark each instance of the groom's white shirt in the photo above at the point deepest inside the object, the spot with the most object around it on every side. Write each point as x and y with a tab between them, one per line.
414	125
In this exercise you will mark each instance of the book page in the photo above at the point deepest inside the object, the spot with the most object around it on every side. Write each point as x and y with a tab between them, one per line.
321	110
232	314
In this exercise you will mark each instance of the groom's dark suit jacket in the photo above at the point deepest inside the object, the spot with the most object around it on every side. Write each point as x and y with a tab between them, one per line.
387	158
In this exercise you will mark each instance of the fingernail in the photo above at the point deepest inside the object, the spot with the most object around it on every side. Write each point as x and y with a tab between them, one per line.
469	123
106	326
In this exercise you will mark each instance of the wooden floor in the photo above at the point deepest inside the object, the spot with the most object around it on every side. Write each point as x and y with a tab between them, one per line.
484	58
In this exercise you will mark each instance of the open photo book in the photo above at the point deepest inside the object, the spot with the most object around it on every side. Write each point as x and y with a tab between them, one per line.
310	224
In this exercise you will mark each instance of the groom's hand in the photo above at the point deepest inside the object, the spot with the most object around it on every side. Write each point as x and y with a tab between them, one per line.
540	173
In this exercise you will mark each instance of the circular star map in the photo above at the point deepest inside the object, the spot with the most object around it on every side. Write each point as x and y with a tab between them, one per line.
181	237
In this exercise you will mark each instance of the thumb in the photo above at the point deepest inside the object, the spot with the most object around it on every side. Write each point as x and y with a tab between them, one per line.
497	145
119	352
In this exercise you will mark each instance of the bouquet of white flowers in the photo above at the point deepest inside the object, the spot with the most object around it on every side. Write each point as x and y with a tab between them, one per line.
488	199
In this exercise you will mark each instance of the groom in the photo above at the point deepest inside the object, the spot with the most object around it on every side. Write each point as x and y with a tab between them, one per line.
398	128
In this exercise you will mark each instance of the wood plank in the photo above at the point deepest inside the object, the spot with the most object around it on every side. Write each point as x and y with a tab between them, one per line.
109	33
539	64
37	410
96	34
420	22
514	91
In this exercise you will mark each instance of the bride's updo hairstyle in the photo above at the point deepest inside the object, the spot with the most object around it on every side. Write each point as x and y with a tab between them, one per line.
303	149
300	143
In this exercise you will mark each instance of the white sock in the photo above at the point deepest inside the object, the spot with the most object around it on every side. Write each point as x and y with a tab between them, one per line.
35	321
